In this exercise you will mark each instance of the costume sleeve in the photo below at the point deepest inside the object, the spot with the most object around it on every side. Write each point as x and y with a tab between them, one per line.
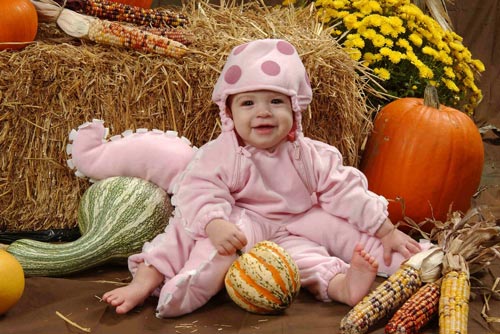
203	190
343	190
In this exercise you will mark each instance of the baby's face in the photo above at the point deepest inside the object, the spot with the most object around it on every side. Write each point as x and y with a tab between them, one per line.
262	118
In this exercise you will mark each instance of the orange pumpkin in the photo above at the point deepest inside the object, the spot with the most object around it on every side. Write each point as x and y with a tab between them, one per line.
18	24
428	155
138	3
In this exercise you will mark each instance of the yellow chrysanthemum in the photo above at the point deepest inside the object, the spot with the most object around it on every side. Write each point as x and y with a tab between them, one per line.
415	39
374	20
354	42
456	46
451	85
382	73
395	57
378	41
425	72
427	50
369	34
338	4
371	58
403	43
448	71
350	21
387	30
354	53
444	58
478	65
404	46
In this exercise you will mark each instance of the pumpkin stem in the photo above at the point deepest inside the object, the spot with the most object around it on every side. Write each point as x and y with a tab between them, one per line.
431	98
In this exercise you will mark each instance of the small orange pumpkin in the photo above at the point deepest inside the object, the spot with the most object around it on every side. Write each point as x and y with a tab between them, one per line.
18	24
138	3
265	280
428	155
11	281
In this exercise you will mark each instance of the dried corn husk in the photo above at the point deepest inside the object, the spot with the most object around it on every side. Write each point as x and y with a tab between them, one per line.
475	236
436	9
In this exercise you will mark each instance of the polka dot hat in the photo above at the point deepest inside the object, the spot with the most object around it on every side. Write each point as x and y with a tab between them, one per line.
266	64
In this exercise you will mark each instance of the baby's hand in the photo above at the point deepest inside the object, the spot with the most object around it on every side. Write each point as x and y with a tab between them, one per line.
394	240
225	236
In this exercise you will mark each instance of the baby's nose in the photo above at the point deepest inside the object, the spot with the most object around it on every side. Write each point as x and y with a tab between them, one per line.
264	111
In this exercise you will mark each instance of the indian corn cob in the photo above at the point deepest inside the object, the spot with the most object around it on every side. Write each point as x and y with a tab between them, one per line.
470	242
114	33
387	297
416	312
114	11
391	294
454	300
176	34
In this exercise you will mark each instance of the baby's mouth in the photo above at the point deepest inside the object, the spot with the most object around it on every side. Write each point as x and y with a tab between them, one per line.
264	129
264	126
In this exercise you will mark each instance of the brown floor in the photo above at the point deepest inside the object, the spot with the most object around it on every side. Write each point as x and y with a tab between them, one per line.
77	299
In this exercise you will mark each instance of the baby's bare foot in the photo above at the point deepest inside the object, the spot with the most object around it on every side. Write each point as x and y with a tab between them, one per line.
126	298
361	275
351	287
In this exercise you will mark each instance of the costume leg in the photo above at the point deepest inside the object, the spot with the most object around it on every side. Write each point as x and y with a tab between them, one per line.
316	266
202	275
199	280
339	237
167	252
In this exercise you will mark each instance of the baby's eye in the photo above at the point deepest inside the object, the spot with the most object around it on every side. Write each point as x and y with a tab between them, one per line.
247	103
277	101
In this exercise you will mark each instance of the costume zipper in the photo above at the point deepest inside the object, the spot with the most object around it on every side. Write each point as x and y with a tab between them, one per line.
297	154
237	169
241	153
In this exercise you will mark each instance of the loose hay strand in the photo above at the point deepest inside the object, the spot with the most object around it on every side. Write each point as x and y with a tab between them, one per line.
74	324
60	82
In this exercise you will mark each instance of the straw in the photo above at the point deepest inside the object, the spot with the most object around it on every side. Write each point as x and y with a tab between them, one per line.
60	82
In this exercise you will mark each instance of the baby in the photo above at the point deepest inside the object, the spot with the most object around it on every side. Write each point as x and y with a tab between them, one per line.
262	179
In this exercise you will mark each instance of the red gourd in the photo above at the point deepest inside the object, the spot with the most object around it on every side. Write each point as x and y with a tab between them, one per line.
428	155
18	24
138	3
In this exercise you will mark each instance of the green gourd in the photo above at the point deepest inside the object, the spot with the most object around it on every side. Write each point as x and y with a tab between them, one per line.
116	216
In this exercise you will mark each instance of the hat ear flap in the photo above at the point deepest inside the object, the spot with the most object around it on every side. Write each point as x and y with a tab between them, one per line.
293	132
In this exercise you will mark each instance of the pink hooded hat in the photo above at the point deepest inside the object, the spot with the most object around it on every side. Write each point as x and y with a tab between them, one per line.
265	64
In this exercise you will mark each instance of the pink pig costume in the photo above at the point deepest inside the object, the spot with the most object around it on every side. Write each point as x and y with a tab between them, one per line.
299	196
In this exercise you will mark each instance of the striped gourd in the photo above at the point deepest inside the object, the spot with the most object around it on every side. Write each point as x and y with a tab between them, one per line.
264	280
392	293
116	216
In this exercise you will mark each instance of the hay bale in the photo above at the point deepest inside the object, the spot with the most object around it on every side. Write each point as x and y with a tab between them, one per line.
58	83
